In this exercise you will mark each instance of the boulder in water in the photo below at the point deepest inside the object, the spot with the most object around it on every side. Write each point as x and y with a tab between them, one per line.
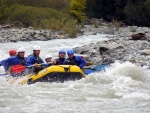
139	36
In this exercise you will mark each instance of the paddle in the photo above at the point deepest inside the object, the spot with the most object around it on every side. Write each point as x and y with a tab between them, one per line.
97	67
88	68
3	74
21	68
94	68
18	68
88	64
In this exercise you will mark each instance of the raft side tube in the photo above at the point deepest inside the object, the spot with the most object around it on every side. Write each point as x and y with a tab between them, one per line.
57	73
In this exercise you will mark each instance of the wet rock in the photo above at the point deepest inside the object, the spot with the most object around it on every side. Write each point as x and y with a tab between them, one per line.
119	47
26	34
84	51
5	26
145	52
139	36
144	45
103	49
127	48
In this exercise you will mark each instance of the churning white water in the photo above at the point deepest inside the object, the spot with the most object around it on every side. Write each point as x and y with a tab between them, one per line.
122	88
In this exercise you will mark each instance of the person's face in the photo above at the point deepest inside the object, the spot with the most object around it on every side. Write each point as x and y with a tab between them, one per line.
37	52
13	55
70	56
48	60
21	54
62	55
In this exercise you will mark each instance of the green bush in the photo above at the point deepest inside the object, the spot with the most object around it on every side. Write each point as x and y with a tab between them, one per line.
71	28
36	13
117	24
31	16
55	4
45	18
133	29
3	5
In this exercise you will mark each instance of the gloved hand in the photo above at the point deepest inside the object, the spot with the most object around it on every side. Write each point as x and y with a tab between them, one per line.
54	62
7	72
37	65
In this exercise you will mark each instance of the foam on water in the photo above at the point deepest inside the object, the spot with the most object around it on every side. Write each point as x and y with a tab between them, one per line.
49	47
122	87
122	80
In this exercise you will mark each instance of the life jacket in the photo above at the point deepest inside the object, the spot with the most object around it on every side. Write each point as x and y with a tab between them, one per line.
17	65
37	58
60	61
22	61
32	59
76	60
15	60
72	61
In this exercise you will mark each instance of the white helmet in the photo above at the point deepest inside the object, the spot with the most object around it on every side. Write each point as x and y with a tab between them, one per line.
48	56
36	48
21	49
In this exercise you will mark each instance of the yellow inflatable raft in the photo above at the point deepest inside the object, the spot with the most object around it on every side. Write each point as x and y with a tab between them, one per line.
55	73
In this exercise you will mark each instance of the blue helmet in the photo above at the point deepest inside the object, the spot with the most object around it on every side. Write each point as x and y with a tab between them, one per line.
62	51
70	52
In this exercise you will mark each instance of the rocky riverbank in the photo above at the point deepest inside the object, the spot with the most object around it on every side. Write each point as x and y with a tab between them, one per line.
27	34
124	43
129	43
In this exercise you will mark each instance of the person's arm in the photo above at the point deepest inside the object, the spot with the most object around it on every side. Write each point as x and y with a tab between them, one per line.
54	62
1	62
82	62
7	64
29	61
4	64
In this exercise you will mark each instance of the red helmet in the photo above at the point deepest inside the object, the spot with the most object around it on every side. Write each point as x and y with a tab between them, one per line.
12	52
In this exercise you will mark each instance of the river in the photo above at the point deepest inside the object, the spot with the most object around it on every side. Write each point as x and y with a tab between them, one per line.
122	88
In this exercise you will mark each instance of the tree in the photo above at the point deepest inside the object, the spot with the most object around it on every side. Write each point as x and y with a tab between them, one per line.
135	12
147	10
77	8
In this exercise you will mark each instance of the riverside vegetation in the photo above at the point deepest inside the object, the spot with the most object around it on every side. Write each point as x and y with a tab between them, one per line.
40	14
69	16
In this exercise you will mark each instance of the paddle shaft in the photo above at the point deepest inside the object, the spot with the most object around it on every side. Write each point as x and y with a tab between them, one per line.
2	74
21	68
88	68
39	64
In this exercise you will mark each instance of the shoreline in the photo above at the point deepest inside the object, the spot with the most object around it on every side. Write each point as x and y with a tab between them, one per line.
124	43
27	34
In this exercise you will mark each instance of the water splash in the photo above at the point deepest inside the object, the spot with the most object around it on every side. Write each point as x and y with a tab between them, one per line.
122	87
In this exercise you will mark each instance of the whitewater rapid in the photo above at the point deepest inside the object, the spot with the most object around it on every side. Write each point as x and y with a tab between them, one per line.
121	88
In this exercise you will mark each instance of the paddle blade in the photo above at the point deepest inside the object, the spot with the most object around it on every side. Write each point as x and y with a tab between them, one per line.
88	63
18	68
2	74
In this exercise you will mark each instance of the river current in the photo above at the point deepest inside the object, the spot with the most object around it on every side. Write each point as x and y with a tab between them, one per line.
121	88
